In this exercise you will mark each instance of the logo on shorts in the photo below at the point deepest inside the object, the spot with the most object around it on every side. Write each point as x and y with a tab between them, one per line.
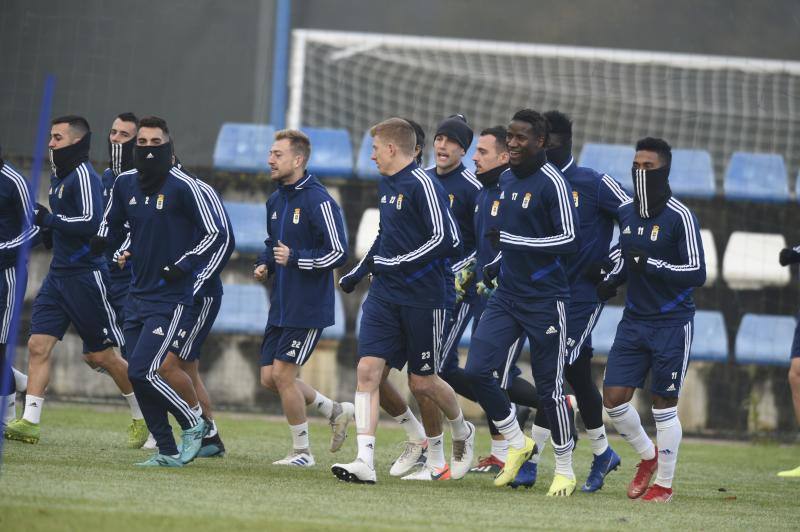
426	367
383	198
292	353
132	201
159	331
551	330
108	341
175	344
627	230
275	215
671	387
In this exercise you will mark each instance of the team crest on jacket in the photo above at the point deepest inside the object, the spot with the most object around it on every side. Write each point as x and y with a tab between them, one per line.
654	233
452	197
495	206
399	203
296	217
61	192
575	198
526	200
160	202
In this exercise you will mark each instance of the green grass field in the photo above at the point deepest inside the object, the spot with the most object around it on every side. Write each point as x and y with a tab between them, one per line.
80	477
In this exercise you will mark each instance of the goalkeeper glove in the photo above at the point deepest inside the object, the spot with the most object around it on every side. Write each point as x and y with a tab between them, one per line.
172	273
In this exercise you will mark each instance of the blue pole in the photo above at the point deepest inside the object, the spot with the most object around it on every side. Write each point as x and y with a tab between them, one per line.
42	132
280	63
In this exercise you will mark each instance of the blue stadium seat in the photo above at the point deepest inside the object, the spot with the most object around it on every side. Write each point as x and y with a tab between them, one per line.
337	330
765	340
756	177
710	339
615	160
243	147
331	152
244	310
692	174
249	222
606	329
365	166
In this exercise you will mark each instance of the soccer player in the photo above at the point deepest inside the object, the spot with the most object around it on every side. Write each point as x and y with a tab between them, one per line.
16	228
75	289
597	198
792	256
662	260
306	240
534	226
174	237
406	306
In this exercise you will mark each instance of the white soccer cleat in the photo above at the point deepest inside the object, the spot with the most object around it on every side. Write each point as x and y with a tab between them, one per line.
343	414
463	452
357	472
297	459
413	455
429	473
150	444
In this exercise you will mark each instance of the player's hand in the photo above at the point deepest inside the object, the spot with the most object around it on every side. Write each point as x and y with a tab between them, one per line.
636	260
261	273
97	245
172	273
788	256
47	238
281	253
493	236
597	271
606	290
122	259
348	283
40	212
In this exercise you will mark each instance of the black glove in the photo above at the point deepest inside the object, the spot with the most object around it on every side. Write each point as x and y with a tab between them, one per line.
369	264
47	238
606	290
788	256
172	273
597	271
40	212
348	284
489	273
636	260
493	235
97	245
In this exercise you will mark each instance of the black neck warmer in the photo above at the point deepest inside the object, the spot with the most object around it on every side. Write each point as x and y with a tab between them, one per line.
561	155
120	156
651	190
65	160
153	164
489	178
529	166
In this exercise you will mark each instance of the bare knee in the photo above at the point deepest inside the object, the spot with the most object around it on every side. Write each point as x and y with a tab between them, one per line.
422	386
369	373
266	379
616	396
39	347
794	375
284	375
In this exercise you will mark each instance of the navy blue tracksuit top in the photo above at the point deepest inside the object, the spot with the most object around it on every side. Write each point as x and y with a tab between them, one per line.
16	213
116	240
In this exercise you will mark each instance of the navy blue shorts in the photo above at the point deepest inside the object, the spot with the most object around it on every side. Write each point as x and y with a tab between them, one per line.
8	284
80	299
641	347
149	328
194	327
398	333
796	341
288	344
581	320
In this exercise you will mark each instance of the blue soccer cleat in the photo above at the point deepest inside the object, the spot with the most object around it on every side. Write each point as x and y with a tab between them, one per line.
192	441
526	476
601	466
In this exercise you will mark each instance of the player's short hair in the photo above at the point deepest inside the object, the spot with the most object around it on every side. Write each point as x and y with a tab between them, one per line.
537	121
129	117
558	123
154	121
76	123
659	146
397	131
419	133
499	134
298	142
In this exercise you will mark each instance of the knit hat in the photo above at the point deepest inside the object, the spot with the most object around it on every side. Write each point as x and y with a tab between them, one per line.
455	127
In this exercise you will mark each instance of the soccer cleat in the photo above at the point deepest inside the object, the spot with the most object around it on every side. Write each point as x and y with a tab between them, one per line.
561	487
602	465
656	493
790	473
150	444
357	472
137	433
297	458
412	456
22	430
161	460
516	457
644	472
431	473
343	414
192	440
212	447
526	476
488	464
463	452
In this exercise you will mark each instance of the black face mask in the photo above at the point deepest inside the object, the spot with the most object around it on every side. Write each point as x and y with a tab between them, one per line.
651	191
120	156
561	155
65	160
489	178
153	164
